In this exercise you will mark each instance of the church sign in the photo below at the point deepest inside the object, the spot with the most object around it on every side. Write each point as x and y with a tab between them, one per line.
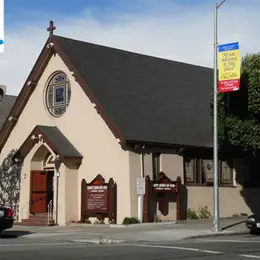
163	191
163	184
98	199
163	187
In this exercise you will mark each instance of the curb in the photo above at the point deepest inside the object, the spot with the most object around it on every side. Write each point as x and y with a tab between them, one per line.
219	234
125	226
101	240
143	224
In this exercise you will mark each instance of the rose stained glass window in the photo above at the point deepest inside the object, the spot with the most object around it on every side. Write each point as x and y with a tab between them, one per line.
58	94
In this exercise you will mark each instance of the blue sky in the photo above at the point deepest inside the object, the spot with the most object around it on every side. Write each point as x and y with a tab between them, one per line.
17	11
180	30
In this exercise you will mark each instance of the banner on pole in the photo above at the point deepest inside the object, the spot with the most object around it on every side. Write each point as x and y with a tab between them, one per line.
228	67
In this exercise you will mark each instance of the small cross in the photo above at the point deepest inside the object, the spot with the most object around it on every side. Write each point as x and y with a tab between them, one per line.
51	28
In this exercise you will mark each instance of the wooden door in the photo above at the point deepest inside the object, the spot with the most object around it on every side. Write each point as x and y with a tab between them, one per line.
38	192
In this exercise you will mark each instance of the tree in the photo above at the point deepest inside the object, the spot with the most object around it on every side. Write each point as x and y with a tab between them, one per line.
239	111
10	174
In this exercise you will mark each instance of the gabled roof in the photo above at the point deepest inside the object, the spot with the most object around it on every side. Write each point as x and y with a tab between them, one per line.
5	107
148	99
54	139
141	98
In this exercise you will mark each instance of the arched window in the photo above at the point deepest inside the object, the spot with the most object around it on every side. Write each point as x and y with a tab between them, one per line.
58	94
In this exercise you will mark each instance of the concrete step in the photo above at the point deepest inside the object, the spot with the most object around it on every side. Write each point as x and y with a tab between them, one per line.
28	222
32	224
34	220
39	217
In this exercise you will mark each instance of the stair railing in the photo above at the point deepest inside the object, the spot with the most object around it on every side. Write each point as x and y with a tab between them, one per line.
50	212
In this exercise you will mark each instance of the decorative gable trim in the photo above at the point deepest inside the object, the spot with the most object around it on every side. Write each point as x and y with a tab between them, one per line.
49	49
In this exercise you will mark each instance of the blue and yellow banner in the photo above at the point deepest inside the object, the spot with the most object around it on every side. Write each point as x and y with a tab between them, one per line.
228	67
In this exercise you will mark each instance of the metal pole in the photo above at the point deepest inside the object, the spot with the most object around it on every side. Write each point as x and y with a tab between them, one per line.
140	197
216	190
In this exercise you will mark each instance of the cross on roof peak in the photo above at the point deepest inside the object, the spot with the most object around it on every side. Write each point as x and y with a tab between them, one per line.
51	28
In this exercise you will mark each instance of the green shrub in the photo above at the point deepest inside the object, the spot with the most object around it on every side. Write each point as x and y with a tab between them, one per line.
130	220
191	214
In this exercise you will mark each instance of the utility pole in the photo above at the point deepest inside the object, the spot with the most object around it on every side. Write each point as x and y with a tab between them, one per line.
216	187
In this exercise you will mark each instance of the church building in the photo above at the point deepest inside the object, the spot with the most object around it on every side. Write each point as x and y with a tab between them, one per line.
88	110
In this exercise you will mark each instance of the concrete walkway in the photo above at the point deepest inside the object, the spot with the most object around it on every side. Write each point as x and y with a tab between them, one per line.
166	231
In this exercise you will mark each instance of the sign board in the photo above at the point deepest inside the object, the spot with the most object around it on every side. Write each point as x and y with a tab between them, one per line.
140	186
163	184
228	67
97	198
163	187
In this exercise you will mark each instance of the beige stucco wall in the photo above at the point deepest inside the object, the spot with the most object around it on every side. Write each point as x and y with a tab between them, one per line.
85	129
233	200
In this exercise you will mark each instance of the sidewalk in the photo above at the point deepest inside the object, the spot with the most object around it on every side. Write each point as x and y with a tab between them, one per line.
152	232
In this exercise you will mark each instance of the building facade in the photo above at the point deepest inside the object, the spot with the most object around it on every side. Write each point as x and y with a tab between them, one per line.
87	109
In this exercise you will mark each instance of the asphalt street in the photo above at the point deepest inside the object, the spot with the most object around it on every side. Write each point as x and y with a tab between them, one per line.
222	248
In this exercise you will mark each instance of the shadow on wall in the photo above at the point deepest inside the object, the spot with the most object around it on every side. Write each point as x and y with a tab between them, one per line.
10	173
248	176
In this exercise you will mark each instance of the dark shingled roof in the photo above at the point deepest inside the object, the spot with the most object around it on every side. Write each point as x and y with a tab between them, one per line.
5	107
56	138
149	99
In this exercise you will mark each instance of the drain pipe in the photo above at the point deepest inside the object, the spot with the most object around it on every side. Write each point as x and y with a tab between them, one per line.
57	164
57	196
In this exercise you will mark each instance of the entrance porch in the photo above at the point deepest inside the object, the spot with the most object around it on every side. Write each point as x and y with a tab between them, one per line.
49	179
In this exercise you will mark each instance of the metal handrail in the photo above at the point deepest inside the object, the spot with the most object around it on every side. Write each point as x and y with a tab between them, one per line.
50	212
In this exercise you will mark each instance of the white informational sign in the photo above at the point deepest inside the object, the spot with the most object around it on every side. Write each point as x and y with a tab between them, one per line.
140	186
1	26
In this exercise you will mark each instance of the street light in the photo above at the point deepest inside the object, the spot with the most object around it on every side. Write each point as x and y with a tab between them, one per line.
215	155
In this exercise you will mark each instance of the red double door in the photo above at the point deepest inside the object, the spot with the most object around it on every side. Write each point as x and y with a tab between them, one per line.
40	191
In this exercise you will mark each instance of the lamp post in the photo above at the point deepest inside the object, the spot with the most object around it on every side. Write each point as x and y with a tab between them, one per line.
216	188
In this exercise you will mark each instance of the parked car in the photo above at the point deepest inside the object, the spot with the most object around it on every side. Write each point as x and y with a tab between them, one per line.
253	223
6	218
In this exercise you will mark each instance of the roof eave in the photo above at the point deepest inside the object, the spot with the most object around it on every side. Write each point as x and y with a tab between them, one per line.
28	144
26	92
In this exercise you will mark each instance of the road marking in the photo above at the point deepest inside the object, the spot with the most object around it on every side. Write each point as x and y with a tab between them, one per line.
36	244
251	256
178	248
227	240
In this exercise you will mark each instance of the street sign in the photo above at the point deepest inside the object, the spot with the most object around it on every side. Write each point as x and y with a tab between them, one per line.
140	186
